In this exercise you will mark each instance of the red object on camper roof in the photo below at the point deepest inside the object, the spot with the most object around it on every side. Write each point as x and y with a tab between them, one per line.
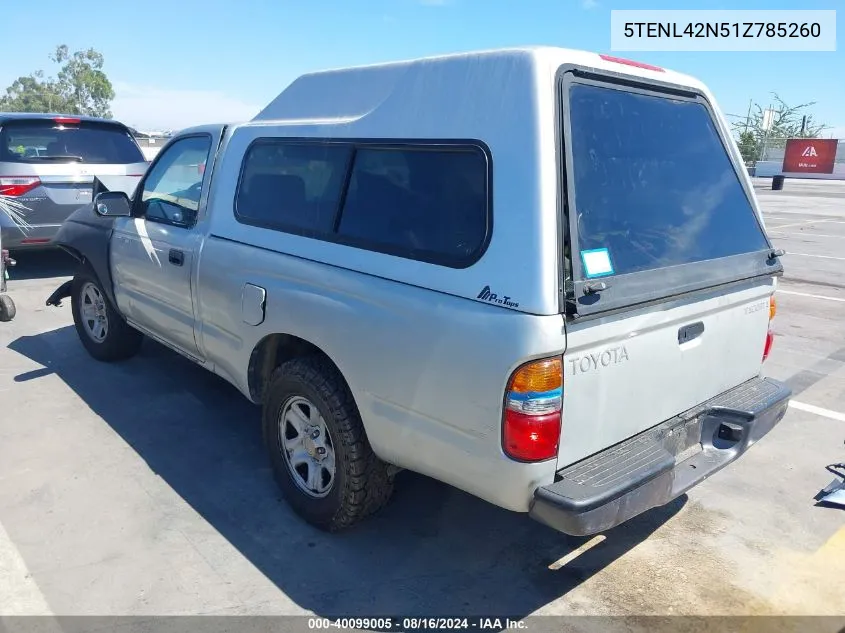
631	62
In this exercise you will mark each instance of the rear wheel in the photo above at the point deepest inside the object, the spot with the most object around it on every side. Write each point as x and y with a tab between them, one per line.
102	330
321	457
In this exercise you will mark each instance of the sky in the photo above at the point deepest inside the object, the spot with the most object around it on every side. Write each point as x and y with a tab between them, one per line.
176	63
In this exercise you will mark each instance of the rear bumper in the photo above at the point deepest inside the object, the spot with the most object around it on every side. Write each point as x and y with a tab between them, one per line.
37	236
658	465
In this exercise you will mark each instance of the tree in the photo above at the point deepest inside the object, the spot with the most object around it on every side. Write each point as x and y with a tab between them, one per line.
82	81
749	148
32	94
787	122
81	87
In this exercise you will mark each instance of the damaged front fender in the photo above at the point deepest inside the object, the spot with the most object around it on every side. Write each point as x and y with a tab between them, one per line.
62	292
85	235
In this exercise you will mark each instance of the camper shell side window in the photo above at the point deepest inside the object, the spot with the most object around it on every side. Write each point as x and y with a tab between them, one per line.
424	200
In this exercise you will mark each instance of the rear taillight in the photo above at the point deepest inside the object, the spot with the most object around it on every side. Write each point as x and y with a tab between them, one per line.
770	339
533	402
18	185
770	335
67	120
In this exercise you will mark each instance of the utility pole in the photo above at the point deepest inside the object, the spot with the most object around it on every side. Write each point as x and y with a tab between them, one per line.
748	116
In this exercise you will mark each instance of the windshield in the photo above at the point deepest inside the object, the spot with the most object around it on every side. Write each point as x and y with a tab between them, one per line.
654	186
46	141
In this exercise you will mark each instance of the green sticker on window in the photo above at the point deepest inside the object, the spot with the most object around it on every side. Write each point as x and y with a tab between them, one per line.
597	262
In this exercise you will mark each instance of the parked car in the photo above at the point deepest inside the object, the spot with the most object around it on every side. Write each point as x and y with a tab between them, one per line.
48	163
538	275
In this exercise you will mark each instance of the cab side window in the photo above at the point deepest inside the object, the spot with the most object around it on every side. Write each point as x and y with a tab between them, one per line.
171	191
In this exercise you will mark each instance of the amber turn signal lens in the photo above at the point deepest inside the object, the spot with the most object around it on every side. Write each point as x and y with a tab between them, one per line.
773	307
539	376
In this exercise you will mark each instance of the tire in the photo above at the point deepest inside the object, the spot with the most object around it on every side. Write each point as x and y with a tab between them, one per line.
360	484
117	340
7	308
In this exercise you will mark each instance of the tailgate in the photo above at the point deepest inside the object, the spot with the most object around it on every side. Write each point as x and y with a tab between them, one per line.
635	371
668	270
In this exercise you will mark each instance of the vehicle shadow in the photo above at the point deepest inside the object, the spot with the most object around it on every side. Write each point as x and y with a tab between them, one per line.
434	550
41	264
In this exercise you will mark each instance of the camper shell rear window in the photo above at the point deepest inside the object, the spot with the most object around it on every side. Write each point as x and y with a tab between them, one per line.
654	203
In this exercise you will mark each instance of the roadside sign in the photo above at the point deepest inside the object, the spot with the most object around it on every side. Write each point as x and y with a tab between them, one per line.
810	156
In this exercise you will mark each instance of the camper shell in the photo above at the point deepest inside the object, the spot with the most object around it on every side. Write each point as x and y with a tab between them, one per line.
513	361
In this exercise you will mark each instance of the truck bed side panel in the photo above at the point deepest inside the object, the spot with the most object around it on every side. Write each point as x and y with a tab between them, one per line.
428	371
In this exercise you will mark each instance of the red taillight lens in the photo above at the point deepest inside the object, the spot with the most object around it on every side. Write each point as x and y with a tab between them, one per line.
531	438
67	120
532	420
770	339
18	185
770	335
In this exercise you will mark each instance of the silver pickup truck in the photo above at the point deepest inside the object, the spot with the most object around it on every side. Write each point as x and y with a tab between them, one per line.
538	275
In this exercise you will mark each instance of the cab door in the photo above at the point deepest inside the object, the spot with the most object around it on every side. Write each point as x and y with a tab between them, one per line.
152	252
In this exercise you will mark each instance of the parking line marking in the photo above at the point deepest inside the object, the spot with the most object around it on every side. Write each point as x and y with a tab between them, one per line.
819	256
783	226
808	234
21	596
834	546
825	413
558	564
807	294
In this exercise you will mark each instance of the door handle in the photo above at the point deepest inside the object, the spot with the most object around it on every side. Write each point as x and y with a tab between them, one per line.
177	258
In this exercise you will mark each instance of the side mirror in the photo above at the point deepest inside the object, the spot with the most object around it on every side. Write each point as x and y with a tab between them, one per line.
112	204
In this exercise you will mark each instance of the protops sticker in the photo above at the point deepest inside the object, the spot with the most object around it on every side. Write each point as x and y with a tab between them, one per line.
597	262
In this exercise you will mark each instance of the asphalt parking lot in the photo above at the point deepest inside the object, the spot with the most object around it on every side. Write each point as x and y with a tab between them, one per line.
142	488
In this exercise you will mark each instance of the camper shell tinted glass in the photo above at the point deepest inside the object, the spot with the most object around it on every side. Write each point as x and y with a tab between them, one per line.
422	200
654	204
292	186
428	203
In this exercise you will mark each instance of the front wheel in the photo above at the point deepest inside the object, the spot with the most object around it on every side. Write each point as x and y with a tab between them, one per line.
321	457
102	330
